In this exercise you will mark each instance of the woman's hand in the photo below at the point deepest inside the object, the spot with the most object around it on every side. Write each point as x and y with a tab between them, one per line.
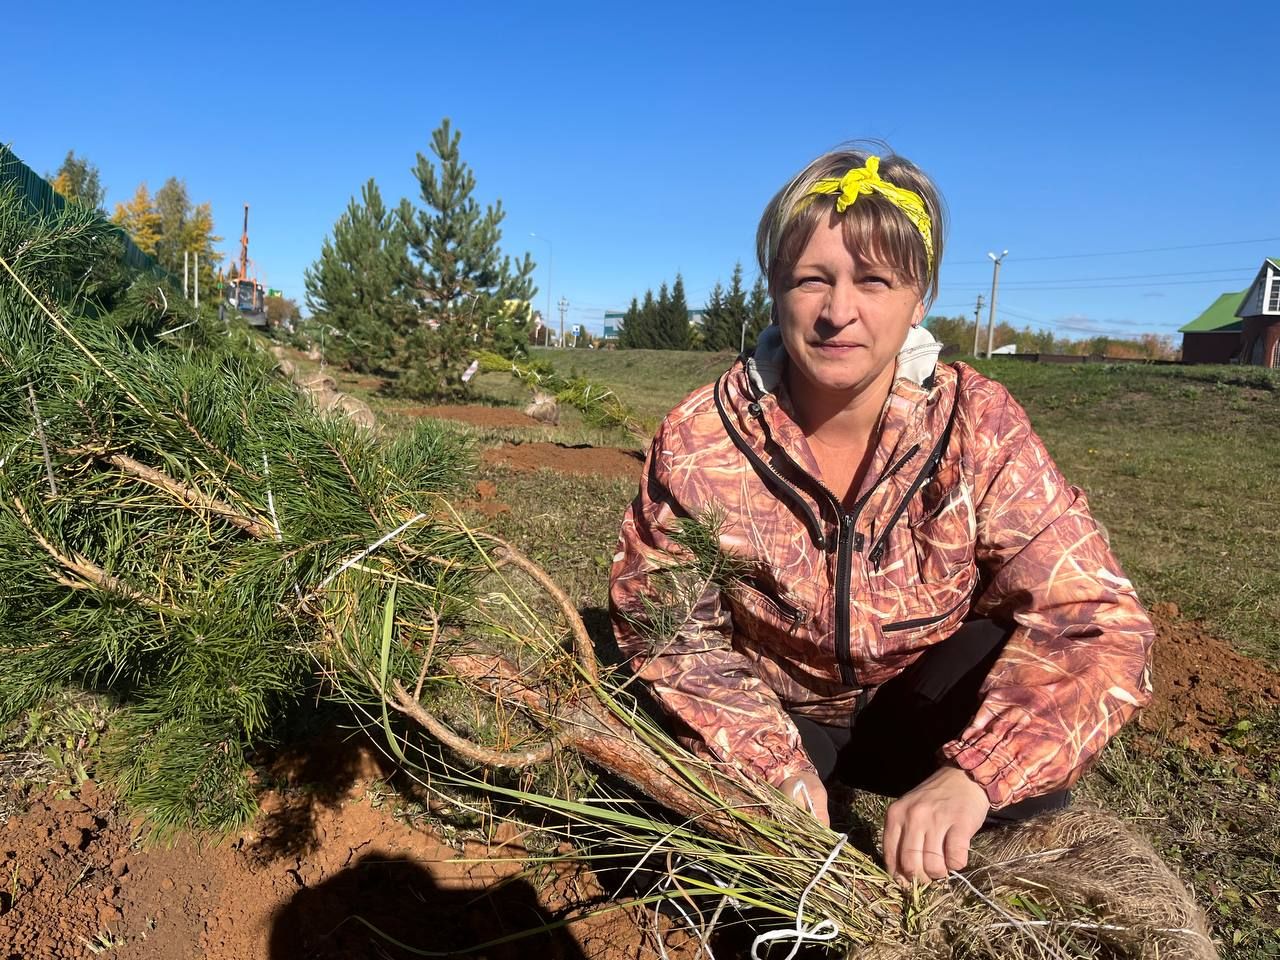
806	791
927	831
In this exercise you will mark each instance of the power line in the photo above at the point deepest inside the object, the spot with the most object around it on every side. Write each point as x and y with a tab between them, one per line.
1104	286
1132	276
1121	253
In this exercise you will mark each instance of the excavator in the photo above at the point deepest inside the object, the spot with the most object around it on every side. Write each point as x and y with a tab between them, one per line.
244	293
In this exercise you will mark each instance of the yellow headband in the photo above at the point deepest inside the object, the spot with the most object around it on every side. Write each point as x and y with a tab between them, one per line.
863	181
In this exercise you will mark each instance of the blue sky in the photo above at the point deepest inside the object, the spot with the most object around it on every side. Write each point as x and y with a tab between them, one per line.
646	139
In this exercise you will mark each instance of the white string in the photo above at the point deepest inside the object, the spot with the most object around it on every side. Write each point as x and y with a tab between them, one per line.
369	549
271	500
823	931
165	333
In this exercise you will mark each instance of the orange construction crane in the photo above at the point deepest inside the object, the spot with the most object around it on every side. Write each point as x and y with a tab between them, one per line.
247	294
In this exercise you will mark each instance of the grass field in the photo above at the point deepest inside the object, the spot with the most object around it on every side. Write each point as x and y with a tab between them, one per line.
1179	464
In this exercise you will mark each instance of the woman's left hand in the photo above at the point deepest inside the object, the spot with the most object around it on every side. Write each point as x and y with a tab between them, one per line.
927	831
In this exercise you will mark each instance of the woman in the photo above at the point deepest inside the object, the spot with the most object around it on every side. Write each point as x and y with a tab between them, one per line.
926	608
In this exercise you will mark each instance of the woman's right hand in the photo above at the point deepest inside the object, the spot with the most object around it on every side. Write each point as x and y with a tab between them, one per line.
806	791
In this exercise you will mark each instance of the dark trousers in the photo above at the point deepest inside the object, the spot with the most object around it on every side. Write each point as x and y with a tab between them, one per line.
892	743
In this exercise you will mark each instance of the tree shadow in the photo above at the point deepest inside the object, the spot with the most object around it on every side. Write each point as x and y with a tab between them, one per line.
383	903
314	770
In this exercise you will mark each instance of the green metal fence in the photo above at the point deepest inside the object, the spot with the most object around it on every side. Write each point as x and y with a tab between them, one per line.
44	198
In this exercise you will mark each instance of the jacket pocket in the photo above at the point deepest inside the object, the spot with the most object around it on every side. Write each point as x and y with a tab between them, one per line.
942	524
783	611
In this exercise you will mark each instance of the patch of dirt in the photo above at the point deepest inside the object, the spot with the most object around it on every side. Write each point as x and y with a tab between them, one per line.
1202	686
484	502
314	879
564	458
475	414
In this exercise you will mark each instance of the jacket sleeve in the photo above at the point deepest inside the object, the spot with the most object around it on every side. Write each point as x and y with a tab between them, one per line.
690	665
1076	666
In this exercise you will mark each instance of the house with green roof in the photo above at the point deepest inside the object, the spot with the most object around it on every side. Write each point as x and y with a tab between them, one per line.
1239	327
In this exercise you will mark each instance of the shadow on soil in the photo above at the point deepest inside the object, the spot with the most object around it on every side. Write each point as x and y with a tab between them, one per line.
313	773
383	900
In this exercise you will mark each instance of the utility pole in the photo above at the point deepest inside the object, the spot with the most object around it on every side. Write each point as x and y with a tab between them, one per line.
195	276
563	305
185	254
977	324
995	287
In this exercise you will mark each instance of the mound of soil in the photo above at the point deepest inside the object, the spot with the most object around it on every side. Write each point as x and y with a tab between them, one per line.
475	414
322	874
565	458
1202	686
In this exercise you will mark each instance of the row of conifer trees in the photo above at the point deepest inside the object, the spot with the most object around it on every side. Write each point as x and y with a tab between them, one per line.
731	319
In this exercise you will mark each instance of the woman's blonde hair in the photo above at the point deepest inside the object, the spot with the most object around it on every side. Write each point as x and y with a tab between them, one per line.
874	227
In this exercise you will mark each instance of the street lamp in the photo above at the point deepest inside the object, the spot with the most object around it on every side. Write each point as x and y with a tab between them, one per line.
546	317
995	286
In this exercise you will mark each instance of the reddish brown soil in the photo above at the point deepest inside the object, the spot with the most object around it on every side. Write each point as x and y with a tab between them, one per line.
563	458
321	869
1202	686
476	415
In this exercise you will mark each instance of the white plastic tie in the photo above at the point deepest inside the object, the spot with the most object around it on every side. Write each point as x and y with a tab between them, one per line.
369	549
824	931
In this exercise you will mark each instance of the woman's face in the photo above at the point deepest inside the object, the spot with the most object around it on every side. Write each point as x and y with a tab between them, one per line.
843	320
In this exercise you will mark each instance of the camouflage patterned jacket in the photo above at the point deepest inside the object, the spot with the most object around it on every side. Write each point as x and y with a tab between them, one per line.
962	513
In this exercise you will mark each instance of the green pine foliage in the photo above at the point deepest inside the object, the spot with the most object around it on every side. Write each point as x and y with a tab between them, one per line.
410	293
662	323
468	293
360	286
675	327
175	521
759	312
715	320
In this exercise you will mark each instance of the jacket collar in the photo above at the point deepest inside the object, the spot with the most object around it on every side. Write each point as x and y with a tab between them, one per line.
902	422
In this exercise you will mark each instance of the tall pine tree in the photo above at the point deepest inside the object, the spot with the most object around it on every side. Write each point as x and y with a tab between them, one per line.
630	329
676	334
715	321
360	286
759	312
470	294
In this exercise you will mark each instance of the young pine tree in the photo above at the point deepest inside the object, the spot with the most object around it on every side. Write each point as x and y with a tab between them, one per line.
463	284
359	286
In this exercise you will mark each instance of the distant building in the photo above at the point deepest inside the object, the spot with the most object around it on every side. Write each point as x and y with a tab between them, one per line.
1239	327
1260	311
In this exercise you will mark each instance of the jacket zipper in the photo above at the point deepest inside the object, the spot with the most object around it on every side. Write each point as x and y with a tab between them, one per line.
921	621
815	527
849	542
